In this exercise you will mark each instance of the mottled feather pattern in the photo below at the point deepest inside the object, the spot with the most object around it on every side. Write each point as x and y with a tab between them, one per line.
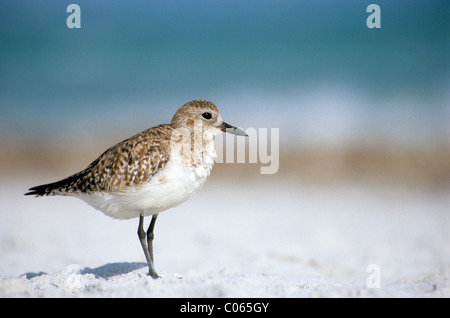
152	170
129	163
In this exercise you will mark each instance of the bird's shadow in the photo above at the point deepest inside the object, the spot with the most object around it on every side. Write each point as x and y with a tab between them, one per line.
113	269
105	271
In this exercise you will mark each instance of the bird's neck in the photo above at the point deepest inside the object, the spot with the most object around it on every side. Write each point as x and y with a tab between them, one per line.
194	148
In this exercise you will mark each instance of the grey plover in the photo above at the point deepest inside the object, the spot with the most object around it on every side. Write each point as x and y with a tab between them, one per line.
151	171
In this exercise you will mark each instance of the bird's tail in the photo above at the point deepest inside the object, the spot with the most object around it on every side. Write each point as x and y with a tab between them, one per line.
66	186
43	190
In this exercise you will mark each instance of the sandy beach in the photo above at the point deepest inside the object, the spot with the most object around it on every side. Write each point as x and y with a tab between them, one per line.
233	239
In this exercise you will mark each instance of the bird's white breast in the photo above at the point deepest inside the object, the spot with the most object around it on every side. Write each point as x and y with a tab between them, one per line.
169	187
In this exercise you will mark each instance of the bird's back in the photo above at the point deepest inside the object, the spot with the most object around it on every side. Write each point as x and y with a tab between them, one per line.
129	163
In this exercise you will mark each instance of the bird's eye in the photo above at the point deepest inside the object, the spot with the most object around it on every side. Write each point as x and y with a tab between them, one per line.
207	115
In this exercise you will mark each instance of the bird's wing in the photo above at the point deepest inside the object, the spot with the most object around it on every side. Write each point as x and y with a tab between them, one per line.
131	162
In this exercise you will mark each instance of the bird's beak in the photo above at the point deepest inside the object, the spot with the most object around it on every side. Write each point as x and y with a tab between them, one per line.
232	130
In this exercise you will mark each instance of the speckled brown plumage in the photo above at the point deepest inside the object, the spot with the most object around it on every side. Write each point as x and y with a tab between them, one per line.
133	161
129	163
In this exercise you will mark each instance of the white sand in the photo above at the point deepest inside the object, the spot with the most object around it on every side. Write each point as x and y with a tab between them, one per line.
232	240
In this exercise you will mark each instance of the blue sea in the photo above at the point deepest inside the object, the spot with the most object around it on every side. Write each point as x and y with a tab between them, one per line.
313	69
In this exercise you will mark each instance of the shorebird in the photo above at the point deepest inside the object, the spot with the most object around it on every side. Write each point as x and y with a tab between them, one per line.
152	171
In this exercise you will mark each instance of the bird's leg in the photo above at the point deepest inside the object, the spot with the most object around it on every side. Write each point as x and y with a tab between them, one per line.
151	236
142	238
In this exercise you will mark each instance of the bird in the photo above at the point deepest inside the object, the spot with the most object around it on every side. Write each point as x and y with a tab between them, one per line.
149	172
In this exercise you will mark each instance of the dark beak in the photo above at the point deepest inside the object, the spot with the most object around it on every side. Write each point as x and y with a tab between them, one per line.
232	130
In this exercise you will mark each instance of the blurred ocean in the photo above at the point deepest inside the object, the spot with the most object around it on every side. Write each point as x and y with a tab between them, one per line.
313	69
